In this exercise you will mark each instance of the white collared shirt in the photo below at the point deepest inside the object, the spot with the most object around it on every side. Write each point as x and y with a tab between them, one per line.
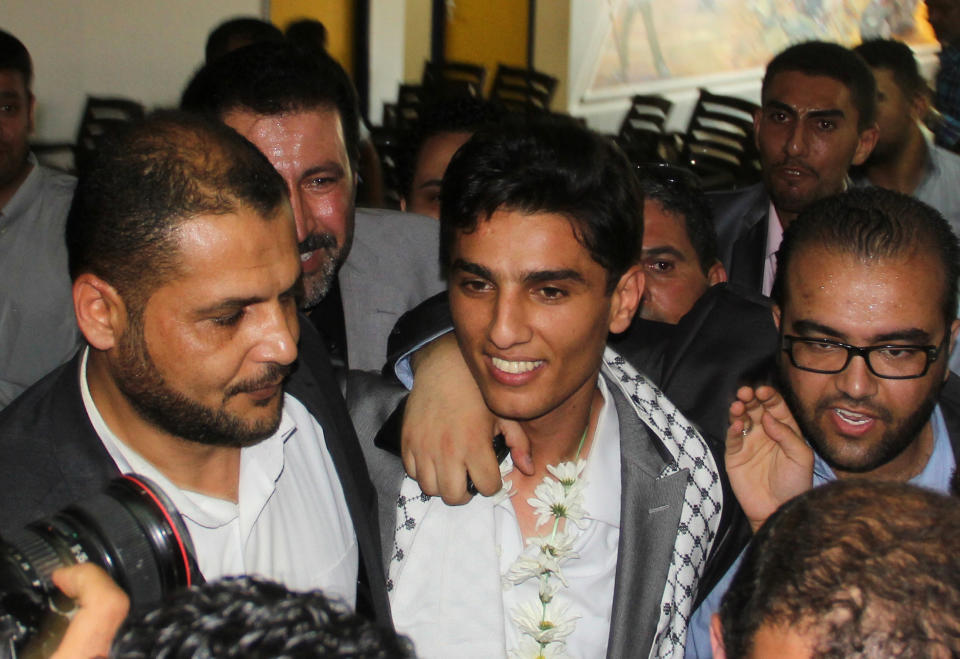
774	238
291	523
590	577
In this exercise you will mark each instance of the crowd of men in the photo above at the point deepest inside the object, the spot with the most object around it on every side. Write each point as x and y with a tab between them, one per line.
681	377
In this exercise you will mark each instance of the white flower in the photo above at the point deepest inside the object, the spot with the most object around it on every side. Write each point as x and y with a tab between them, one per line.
552	500
534	564
568	473
549	589
530	649
547	623
560	545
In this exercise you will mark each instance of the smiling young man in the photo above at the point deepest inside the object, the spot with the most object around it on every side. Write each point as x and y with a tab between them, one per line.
186	281
539	232
816	120
866	302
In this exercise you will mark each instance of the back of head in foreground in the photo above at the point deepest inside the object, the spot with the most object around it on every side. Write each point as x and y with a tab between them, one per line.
551	165
856	569
253	618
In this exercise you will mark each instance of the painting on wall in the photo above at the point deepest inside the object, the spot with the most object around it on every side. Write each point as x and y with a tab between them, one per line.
667	41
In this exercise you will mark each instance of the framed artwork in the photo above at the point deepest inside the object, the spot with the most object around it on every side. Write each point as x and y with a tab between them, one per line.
662	45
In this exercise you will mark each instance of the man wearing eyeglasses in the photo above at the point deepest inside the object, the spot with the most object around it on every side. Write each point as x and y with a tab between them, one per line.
866	306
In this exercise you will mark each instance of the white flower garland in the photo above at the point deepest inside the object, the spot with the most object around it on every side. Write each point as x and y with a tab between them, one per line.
545	624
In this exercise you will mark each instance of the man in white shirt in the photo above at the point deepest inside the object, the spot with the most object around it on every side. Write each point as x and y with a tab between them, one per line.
37	328
539	231
186	282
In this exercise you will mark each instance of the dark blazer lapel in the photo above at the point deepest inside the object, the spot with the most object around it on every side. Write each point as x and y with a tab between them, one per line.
746	265
649	517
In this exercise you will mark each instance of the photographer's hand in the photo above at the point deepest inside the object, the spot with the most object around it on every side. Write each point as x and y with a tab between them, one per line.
101	609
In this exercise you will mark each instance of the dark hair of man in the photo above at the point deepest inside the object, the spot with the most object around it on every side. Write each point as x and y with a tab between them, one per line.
547	165
15	57
866	569
831	60
896	57
149	177
269	79
678	192
252	618
873	223
307	34
457	114
238	32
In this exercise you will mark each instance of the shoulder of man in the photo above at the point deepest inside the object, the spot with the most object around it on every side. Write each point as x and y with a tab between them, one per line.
51	453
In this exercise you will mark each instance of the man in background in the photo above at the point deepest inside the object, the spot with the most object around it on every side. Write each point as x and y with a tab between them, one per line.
817	119
37	327
904	159
362	268
944	17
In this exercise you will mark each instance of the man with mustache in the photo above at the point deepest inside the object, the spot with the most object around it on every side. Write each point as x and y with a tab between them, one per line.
816	120
361	269
866	308
186	285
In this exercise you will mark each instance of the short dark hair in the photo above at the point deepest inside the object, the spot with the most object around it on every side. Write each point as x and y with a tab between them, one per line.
455	114
238	32
271	78
254	618
146	179
678	192
866	568
15	57
896	57
549	165
307	34
872	223
820	58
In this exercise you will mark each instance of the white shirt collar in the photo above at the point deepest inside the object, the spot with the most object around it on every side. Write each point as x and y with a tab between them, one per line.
260	467
602	495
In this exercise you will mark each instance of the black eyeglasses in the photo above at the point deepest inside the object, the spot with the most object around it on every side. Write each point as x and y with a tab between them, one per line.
892	362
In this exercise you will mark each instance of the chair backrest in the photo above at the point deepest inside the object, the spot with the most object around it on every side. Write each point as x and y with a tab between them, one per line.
100	116
647	113
445	79
522	90
720	136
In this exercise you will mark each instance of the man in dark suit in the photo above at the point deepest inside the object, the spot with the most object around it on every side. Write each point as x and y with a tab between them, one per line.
186	281
817	119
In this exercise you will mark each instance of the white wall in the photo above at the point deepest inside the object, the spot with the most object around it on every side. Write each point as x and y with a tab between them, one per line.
387	43
139	49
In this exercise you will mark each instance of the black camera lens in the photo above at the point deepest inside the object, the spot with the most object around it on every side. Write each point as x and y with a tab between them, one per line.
131	529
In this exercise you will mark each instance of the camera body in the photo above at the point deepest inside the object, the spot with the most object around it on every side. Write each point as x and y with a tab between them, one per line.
131	529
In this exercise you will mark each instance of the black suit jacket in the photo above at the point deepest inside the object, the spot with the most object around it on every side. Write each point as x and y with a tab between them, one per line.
53	456
740	217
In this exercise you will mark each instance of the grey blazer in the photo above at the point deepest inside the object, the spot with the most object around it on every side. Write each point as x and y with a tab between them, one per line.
393	265
649	509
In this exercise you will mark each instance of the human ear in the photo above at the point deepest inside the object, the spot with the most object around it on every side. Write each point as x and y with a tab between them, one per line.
865	143
716	274
716	637
777	316
954	327
101	312
626	299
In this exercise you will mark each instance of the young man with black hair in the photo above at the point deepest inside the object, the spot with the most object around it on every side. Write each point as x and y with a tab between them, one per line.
539	233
